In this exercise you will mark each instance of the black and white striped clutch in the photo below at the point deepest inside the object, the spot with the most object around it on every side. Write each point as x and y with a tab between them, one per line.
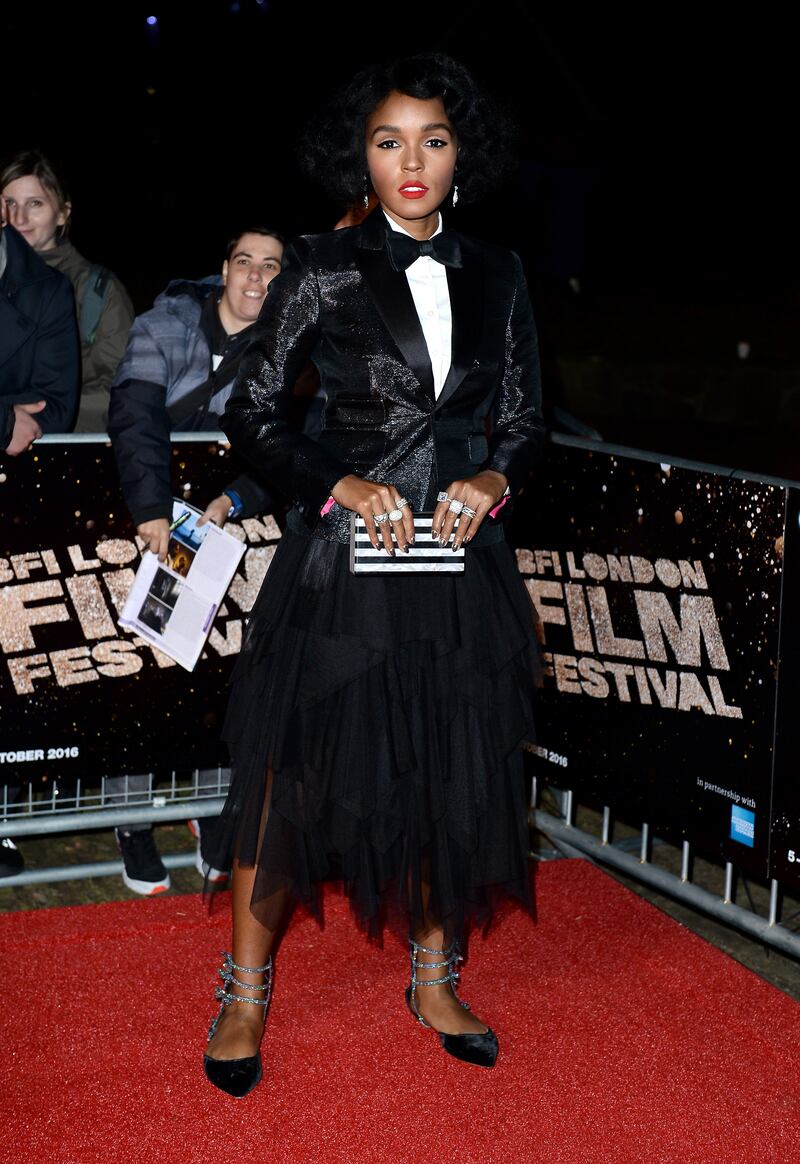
426	556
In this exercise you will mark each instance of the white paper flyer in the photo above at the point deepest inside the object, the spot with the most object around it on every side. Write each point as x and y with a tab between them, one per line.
172	604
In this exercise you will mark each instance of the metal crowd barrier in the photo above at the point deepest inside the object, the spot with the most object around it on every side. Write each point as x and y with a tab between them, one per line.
633	857
78	806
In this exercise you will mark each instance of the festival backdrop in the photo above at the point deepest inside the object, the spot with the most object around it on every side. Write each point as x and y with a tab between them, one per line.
79	696
658	590
668	603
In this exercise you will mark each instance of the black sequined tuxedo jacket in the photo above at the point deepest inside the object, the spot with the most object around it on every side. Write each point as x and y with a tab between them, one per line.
340	303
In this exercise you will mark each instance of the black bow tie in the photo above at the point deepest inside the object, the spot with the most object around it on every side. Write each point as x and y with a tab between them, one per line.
404	250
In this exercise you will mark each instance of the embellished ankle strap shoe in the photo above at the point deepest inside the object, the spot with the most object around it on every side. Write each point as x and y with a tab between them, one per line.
480	1049
237	1077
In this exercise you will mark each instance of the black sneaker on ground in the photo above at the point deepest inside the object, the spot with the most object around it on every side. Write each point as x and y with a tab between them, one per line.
203	831
11	860
143	870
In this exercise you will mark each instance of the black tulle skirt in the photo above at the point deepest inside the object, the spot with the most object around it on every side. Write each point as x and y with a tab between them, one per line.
374	727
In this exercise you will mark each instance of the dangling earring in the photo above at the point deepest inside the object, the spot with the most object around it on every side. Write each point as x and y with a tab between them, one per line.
366	193
455	195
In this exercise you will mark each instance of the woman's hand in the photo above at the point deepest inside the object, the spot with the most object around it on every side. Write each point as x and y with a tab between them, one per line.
155	535
370	499
216	510
478	495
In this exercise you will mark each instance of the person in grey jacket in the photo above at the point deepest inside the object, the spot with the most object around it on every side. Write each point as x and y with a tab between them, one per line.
176	376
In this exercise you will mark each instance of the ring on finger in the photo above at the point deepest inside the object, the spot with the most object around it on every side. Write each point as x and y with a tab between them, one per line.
402	502
467	512
396	515
455	506
442	497
380	518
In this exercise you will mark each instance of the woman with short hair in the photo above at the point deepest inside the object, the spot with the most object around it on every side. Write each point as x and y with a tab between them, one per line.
376	720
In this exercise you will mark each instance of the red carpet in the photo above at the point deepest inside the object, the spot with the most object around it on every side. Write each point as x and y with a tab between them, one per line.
623	1038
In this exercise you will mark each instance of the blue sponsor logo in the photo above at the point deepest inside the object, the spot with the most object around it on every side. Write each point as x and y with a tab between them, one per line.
743	825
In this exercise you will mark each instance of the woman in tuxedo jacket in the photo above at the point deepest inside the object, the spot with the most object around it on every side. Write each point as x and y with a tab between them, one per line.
375	721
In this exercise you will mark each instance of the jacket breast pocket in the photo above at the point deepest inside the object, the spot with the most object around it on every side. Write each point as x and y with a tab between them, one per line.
354	412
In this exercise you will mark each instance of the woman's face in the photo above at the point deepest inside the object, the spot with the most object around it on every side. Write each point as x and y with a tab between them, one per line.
411	156
34	211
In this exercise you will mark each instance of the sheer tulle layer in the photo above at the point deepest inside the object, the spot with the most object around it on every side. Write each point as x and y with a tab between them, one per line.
390	712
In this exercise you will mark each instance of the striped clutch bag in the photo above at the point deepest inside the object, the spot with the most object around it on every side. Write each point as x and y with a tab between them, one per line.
426	556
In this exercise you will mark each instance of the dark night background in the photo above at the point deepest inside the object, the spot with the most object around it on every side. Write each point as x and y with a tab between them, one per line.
655	172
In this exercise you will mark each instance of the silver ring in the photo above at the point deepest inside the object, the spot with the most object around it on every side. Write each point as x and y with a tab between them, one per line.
396	515
455	506
380	518
469	512
402	503
442	497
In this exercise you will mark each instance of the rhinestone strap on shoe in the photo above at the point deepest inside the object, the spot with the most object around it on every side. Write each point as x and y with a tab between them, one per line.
452	957
226	996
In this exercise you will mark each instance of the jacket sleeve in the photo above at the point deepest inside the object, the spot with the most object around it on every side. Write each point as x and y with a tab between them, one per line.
139	428
256	498
517	423
56	374
257	417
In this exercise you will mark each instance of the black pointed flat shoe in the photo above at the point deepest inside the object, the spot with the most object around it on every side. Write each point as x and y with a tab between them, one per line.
237	1077
480	1049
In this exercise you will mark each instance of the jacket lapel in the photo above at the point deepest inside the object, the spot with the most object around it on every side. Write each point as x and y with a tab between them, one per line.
393	299
466	307
395	304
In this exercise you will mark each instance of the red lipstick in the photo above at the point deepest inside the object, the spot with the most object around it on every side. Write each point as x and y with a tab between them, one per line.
413	190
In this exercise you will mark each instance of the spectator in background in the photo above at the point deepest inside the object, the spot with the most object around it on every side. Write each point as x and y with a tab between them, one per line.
176	376
39	376
39	370
40	209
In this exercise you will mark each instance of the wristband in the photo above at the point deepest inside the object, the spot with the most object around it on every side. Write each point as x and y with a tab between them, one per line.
237	505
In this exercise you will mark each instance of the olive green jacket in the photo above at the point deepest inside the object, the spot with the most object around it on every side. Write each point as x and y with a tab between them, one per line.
99	360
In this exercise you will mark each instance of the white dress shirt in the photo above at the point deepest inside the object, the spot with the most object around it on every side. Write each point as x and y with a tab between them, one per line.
427	280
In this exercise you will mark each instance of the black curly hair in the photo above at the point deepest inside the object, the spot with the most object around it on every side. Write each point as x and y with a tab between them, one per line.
333	151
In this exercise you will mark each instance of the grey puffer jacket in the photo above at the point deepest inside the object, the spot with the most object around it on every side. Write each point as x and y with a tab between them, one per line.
167	357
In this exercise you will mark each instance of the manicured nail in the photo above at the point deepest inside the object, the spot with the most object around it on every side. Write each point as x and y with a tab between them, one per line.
455	546
404	549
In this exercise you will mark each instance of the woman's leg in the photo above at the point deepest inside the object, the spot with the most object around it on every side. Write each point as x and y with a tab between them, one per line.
437	1004
241	1025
